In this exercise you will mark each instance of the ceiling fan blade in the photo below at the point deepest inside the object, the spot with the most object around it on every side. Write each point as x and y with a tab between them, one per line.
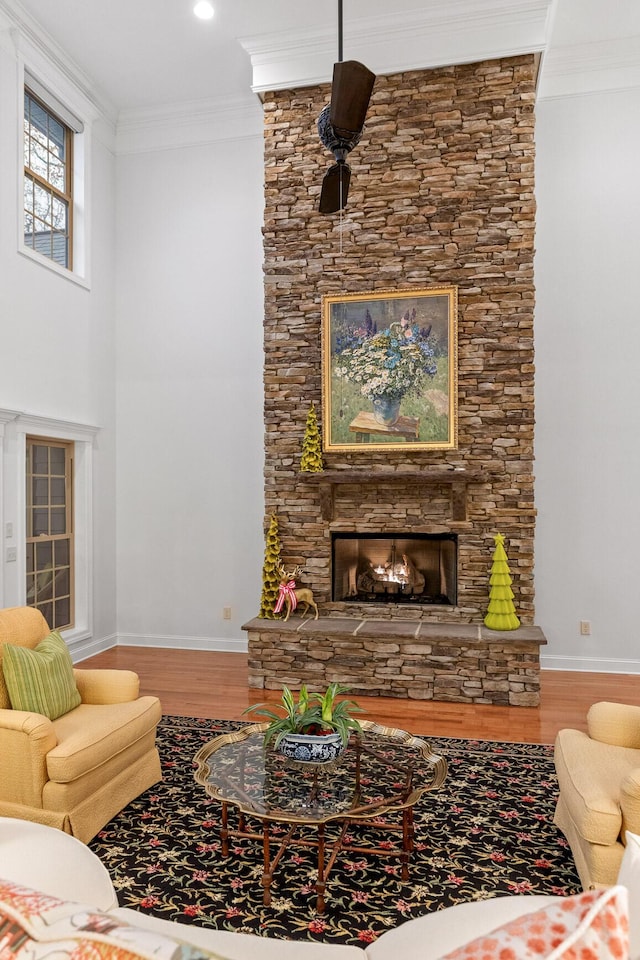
351	91
335	188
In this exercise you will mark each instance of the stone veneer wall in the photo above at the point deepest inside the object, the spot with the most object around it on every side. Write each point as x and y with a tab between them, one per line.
441	194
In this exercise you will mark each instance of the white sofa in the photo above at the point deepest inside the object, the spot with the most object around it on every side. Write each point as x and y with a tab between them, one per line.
57	864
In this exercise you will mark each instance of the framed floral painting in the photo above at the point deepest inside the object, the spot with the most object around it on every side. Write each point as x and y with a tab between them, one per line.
389	370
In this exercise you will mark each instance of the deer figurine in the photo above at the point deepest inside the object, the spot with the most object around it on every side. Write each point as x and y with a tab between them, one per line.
290	596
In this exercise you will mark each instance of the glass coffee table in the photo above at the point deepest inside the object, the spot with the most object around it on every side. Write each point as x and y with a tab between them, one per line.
382	771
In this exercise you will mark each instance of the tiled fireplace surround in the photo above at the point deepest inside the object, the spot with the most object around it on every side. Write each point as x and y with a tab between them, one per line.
441	194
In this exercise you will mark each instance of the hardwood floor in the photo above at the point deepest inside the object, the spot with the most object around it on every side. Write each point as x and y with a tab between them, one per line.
194	683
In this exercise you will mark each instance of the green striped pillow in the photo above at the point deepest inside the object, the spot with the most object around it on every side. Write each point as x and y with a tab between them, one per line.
41	680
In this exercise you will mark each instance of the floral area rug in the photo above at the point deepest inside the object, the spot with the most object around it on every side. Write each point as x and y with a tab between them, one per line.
488	831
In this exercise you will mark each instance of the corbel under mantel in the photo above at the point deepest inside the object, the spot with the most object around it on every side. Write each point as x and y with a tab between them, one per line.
457	479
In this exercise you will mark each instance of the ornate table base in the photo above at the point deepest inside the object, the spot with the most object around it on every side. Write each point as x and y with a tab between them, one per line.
328	850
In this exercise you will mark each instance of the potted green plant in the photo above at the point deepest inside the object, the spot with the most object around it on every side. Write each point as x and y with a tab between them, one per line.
313	727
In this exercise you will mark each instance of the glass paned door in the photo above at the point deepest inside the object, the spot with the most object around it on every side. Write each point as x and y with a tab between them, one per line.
49	568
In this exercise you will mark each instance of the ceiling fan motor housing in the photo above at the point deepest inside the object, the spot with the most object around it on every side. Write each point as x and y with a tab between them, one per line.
339	142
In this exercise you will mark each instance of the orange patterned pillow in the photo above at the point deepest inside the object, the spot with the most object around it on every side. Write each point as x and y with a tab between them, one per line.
36	926
589	926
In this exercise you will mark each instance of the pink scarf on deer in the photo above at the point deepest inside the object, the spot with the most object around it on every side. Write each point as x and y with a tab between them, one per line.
286	590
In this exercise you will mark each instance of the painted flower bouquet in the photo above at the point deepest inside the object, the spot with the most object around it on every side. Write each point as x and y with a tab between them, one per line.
388	364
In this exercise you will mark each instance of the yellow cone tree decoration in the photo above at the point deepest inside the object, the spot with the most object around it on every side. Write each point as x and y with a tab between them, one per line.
270	578
311	460
501	613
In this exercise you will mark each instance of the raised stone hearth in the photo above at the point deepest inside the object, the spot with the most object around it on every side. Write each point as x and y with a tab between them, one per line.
398	658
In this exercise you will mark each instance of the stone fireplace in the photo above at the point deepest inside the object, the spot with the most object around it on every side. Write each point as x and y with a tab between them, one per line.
441	194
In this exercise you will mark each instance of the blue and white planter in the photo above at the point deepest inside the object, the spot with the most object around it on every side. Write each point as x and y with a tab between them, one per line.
309	748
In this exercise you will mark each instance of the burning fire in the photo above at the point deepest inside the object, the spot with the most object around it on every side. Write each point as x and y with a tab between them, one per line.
393	573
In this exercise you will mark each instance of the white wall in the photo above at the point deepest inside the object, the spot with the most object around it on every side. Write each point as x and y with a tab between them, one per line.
187	373
190	435
57	343
189	385
587	334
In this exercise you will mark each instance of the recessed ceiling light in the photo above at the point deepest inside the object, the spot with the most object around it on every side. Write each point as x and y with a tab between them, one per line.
203	10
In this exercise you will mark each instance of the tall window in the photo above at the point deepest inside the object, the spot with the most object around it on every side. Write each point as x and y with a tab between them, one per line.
49	499
48	168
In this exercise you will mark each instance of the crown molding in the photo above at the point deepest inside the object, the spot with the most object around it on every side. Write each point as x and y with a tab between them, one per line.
43	426
605	65
189	123
7	416
34	44
421	39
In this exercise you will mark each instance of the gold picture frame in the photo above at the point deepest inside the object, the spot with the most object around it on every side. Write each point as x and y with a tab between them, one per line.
390	370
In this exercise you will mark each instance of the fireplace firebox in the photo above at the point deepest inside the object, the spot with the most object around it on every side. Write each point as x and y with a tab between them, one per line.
394	568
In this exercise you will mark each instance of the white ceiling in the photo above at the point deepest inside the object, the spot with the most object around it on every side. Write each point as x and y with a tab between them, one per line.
136	56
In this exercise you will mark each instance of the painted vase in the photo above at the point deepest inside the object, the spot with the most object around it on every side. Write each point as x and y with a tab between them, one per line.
386	410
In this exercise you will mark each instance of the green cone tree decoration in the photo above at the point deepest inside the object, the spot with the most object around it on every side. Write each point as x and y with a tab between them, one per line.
311	460
270	578
501	613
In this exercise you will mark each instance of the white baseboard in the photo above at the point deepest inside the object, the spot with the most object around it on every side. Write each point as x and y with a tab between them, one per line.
223	645
83	649
589	664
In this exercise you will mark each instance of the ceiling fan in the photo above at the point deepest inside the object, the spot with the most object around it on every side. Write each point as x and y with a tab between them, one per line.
341	122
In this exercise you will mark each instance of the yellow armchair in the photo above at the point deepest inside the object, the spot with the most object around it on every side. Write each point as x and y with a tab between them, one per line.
78	771
599	779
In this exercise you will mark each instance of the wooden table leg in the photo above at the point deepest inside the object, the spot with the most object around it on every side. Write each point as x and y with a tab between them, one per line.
267	873
224	830
321	882
407	840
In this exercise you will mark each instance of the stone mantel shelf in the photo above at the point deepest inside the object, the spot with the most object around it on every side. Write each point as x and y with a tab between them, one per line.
458	480
434	632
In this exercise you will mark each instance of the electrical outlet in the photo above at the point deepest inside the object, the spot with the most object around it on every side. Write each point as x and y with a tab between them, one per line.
12	554
585	628
226	613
